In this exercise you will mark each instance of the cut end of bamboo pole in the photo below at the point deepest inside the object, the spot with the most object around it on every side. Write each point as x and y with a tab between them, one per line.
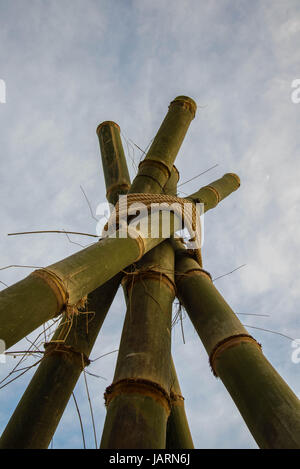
235	176
186	101
109	123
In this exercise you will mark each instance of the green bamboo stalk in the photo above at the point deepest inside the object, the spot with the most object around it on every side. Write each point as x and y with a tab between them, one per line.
143	377
158	163
43	294
39	411
178	431
114	164
268	406
178	435
36	299
138	402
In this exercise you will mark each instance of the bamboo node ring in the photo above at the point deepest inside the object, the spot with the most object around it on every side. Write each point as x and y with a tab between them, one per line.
229	342
145	387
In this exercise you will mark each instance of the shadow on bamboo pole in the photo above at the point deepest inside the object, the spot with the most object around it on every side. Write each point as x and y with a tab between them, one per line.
40	409
45	292
268	406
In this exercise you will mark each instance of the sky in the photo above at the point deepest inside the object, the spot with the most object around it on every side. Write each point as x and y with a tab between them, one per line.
69	65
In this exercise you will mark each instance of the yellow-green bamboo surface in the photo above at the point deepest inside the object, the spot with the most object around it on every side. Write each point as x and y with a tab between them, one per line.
269	407
178	430
41	407
29	303
138	403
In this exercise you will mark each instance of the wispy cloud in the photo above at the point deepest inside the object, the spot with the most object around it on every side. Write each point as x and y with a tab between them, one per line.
70	65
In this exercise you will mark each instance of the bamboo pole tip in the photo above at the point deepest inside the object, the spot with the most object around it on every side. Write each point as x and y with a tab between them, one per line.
109	123
235	176
186	101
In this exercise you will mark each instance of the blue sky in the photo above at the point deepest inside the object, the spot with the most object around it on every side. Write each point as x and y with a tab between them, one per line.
69	65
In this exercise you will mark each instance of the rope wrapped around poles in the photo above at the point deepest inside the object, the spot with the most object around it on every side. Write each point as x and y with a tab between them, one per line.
185	209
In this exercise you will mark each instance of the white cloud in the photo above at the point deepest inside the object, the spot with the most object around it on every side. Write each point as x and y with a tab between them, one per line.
69	68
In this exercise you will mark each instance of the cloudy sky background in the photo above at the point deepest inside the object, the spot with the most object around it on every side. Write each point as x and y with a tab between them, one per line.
69	65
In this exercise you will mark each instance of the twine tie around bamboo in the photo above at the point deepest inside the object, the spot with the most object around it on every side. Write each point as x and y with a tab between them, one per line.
185	209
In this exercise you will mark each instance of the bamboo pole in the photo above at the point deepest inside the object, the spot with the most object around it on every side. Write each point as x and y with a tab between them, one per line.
178	435
178	432
45	292
138	401
269	407
40	409
117	180
66	372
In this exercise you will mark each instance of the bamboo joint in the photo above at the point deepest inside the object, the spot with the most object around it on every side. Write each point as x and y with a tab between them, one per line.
145	387
227	343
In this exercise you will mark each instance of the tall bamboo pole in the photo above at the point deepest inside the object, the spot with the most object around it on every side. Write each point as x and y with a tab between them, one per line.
269	407
178	432
44	294
117	180
138	401
40	409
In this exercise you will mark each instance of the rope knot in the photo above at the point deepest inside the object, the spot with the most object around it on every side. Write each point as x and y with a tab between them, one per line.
143	205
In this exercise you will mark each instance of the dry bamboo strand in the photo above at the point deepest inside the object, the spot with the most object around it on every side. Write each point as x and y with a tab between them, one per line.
138	401
39	411
45	293
268	406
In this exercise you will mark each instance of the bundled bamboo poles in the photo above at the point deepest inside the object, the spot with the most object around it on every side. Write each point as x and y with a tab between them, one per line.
176	409
16	433
267	404
40	409
138	401
45	293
